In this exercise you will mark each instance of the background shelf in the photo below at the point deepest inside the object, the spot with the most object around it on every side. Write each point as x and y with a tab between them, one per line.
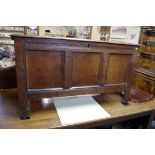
6	31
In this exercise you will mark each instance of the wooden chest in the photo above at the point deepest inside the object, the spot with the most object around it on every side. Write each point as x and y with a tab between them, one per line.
49	67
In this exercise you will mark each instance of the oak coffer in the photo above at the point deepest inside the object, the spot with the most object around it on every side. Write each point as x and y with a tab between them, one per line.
51	67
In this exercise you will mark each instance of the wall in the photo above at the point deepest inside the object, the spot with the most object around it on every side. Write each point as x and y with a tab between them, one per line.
62	31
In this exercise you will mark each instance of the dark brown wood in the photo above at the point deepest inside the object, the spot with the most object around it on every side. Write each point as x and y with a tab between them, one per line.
118	68
21	72
44	69
47	93
104	72
85	69
48	67
8	77
67	70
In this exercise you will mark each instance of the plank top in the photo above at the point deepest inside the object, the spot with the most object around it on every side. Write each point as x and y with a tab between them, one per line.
14	36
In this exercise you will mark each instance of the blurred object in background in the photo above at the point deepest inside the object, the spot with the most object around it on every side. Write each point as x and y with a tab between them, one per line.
32	30
7	56
105	33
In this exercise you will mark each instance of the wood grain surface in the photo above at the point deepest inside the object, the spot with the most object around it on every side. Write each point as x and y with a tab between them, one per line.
44	114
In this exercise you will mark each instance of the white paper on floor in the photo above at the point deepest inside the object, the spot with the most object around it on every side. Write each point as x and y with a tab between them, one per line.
78	109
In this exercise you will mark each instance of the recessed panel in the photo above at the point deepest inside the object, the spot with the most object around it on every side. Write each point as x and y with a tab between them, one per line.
44	69
85	69
118	68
